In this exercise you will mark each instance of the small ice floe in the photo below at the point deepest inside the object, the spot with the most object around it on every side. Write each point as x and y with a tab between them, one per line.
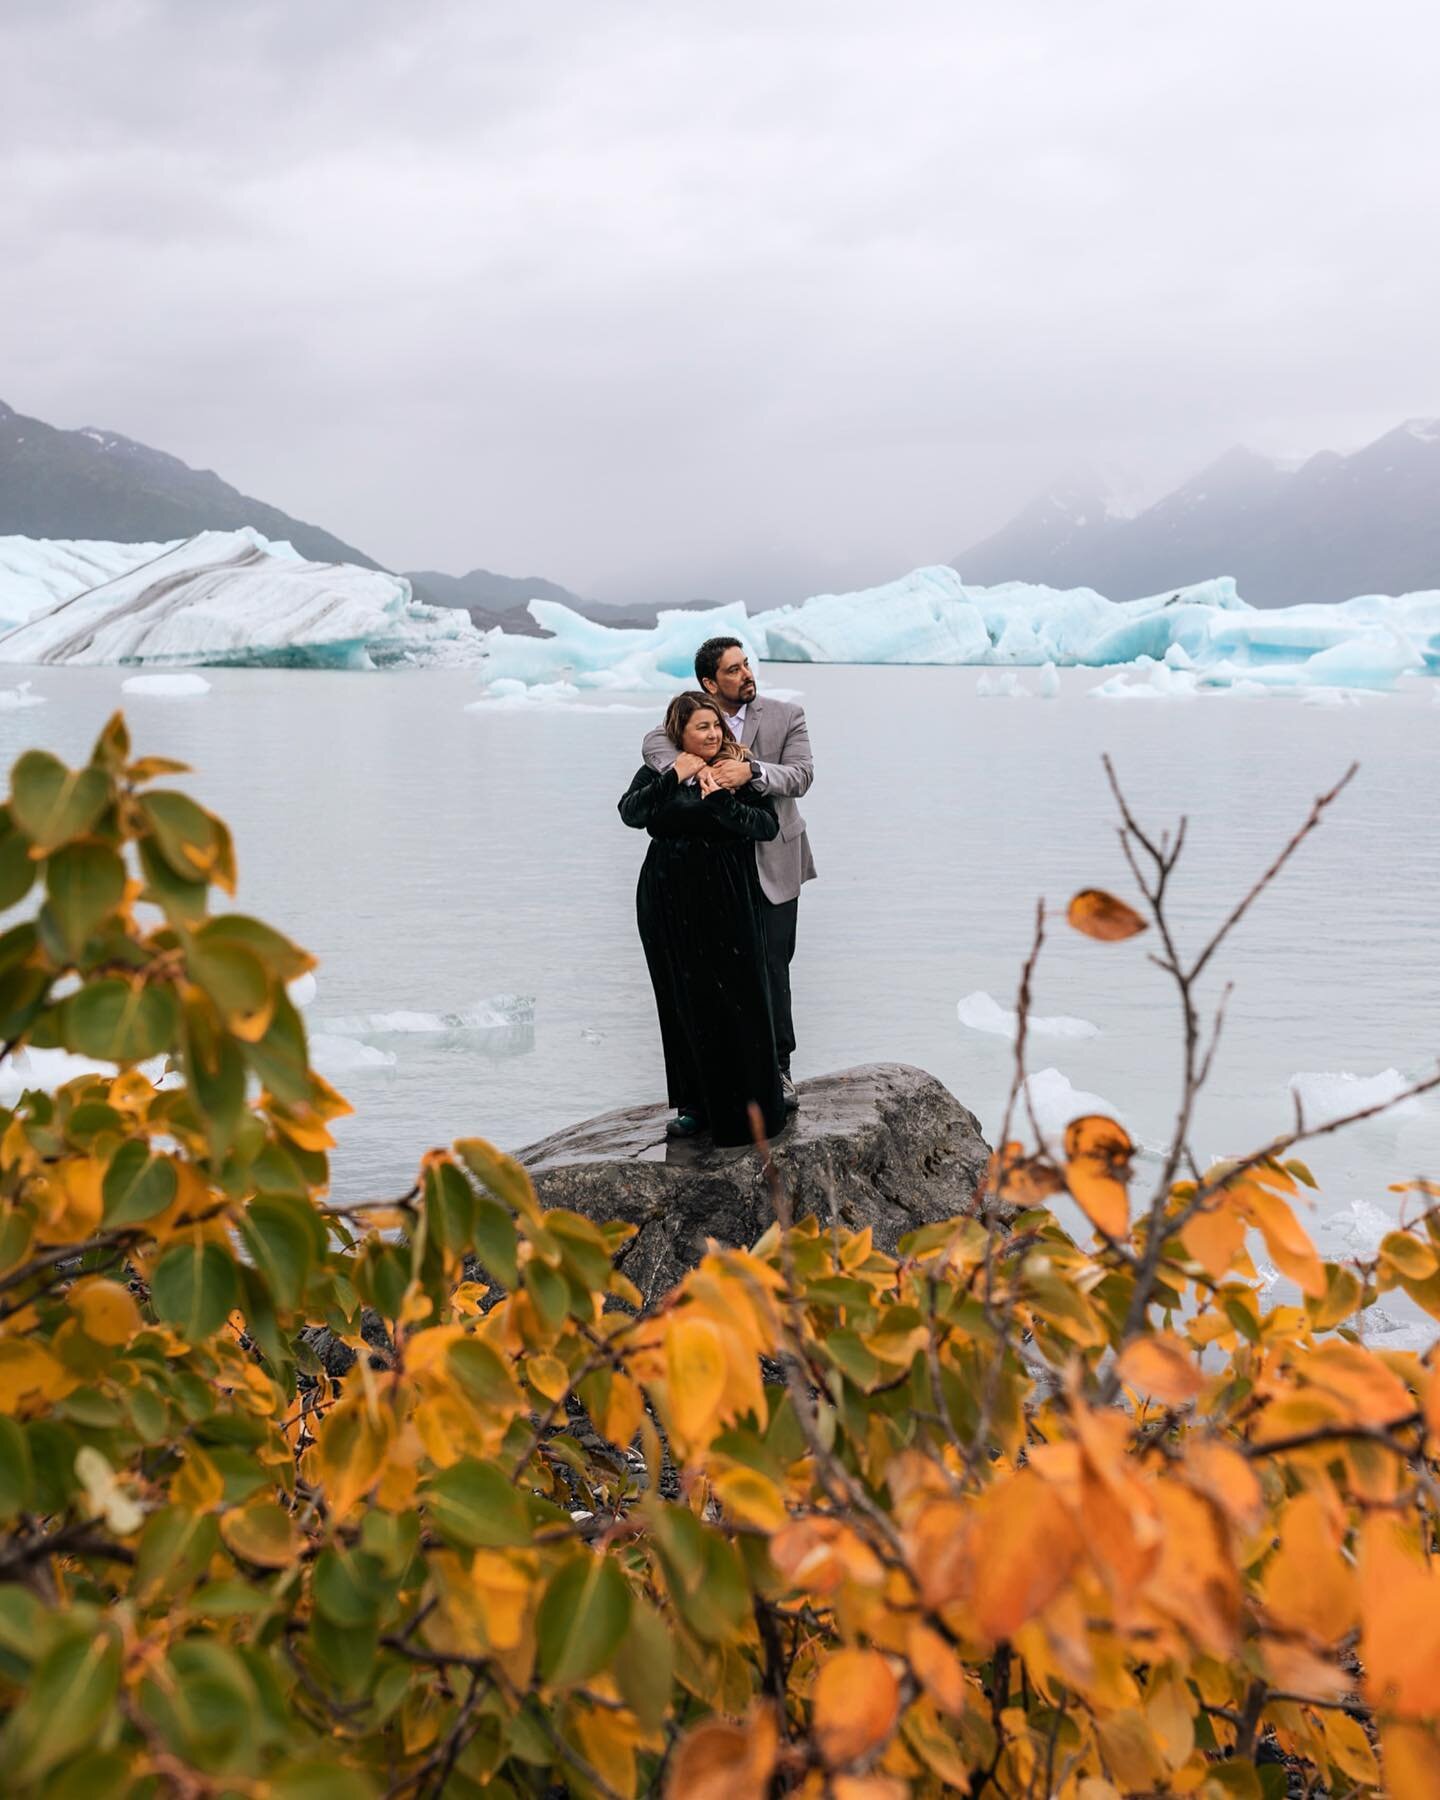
498	1013
1055	1103
1001	684
168	687
332	1054
589	1036
50	1069
1324	1097
1049	688
11	698
509	694
1356	1229
302	989
981	1012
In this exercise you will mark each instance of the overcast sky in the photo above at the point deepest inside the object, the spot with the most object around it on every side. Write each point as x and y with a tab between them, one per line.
727	297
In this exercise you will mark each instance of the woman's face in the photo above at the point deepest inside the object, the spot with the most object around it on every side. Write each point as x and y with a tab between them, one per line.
702	735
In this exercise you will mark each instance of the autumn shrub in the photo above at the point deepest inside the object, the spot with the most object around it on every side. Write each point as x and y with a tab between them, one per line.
1017	1512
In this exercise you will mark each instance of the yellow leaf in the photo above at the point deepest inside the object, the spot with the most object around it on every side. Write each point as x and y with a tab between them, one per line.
548	1375
1169	1715
717	1760
696	1370
1400	1623
1101	915
1130	1749
28	1372
1308	1585
1161	1365
199	1485
1349	1747
1225	1477
751	1497
350	1453
856	1706
1373	1394
1286	1239
1097	1167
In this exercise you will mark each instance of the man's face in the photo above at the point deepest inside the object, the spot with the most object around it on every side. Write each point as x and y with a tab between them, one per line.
733	681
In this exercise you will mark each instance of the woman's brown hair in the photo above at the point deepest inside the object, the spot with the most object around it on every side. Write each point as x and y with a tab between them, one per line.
684	707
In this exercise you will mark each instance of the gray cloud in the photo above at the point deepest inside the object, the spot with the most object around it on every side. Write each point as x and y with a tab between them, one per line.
741	299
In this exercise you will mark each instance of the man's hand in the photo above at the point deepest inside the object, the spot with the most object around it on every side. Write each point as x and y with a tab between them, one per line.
686	764
734	772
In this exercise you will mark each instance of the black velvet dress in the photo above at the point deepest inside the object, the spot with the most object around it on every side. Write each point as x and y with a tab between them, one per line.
698	907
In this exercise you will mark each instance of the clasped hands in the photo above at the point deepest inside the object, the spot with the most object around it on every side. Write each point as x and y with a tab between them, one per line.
712	778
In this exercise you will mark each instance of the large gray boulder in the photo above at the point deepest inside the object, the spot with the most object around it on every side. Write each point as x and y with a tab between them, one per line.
883	1145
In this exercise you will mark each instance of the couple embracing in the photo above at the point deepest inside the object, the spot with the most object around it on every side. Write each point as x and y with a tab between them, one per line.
719	893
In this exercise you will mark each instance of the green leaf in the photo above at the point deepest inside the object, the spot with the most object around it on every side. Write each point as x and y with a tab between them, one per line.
16	1482
207	1706
319	1781
476	1505
85	884
644	1666
280	1058
449	1206
215	1073
482	1373
582	1618
194	1288
496	1241
175	1549
183	902
52	804
349	1587
236	980
183	833
22	993
138	1184
97	1775
282	959
120	1021
281	1245
17	866
63	1708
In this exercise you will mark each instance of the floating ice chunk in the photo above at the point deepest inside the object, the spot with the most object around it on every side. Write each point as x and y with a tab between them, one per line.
983	1013
170	686
498	1013
1147	679
221	597
1049	682
1358	1227
50	1069
11	698
510	695
1001	684
333	1054
302	989
1055	1103
621	659
590	1036
1324	1097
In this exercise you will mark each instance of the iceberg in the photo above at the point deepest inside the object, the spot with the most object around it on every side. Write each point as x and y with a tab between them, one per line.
221	597
166	687
1326	1097
1187	641
1054	1102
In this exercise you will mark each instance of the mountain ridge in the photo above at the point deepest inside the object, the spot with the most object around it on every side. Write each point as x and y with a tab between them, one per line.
1333	527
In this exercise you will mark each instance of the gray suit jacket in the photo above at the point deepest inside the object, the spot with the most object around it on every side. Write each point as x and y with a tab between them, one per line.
779	748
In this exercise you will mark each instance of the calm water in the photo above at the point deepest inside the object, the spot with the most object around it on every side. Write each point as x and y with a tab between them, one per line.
434	858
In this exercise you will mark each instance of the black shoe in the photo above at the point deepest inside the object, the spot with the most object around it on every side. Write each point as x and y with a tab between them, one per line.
787	1091
685	1125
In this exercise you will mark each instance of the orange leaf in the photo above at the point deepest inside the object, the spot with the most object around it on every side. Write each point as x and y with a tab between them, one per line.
1024	1546
1101	915
937	1668
1225	1477
1024	1181
1161	1365
1375	1394
1286	1239
1412	1761
1098	1153
857	1706
1400	1623
1308	1584
1214	1239
721	1761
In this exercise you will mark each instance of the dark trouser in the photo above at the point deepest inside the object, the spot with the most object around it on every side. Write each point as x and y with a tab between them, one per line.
779	949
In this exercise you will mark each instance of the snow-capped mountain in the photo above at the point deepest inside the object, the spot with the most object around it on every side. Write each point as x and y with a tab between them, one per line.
1335	526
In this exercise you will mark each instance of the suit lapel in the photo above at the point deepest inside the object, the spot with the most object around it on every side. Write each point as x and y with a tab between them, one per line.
752	722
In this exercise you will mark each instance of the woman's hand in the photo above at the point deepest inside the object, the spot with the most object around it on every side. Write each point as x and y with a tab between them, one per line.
707	781
686	764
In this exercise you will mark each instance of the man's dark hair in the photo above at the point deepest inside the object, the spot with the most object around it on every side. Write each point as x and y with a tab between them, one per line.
707	657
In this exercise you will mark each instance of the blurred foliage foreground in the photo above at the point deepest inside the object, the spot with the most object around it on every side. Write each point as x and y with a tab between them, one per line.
1015	1514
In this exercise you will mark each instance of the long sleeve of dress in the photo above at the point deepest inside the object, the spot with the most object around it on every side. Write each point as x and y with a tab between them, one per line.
754	819
645	796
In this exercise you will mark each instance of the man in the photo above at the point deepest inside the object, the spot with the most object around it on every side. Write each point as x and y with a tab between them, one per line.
780	766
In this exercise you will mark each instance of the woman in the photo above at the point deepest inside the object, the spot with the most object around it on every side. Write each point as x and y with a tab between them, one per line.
698	906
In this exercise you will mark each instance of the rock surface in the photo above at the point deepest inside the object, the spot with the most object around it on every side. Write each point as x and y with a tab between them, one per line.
883	1145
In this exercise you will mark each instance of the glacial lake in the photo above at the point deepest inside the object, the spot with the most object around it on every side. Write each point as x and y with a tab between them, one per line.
464	874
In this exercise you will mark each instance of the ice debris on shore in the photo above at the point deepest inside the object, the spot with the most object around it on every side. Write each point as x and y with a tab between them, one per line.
221	597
